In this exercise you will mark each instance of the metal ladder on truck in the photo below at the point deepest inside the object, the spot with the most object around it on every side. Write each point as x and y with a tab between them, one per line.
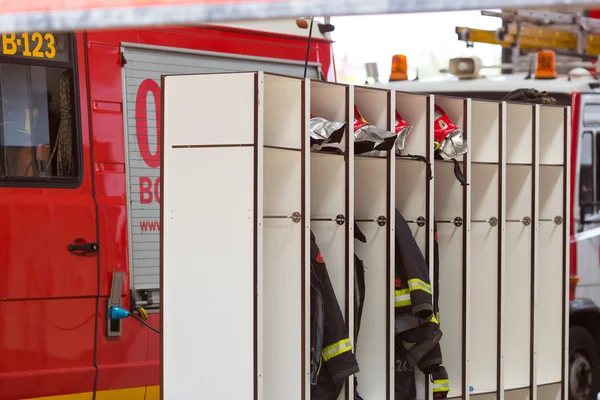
572	36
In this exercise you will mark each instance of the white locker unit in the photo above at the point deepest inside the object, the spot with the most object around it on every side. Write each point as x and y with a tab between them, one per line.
235	295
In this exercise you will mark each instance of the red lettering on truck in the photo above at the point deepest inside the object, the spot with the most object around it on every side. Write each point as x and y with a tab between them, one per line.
141	116
149	187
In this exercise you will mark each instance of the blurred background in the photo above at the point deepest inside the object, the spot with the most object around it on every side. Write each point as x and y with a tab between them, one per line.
362	39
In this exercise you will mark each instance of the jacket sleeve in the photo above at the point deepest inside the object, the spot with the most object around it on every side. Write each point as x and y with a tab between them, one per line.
337	354
412	269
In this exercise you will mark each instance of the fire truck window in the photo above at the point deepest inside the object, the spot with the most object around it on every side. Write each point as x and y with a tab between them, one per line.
36	111
586	173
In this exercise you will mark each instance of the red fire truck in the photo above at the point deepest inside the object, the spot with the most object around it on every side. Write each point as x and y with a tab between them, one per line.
79	193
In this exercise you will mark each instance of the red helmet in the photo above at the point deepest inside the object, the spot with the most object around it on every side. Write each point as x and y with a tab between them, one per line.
449	140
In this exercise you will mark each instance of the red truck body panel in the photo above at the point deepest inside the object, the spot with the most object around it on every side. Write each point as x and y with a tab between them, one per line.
53	303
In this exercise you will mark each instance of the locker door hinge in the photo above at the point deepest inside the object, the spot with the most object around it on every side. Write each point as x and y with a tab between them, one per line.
114	326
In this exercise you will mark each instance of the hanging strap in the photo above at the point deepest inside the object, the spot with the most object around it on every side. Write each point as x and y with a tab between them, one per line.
458	173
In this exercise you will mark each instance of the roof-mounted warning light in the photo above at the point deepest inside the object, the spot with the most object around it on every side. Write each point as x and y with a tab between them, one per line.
399	68
546	65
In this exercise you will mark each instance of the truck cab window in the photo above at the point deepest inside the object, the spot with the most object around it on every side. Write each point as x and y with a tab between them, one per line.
587	173
37	132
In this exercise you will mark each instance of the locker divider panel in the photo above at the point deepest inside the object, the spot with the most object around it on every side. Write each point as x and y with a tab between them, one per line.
452	210
413	191
223	252
521	230
371	199
284	240
551	313
487	226
332	198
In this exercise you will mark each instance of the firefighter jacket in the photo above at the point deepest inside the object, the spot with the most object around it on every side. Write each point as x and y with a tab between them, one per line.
359	297
416	324
332	359
404	376
413	295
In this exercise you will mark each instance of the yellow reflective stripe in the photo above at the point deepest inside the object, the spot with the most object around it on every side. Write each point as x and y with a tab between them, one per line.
441	385
417	284
336	349
434	320
402	298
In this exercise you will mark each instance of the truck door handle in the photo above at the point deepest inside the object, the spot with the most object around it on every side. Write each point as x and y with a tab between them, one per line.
83	247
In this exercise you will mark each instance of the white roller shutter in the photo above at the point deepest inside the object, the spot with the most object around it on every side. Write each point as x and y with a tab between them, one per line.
141	85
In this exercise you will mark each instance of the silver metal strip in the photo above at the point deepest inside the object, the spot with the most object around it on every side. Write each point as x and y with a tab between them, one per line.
179	50
105	16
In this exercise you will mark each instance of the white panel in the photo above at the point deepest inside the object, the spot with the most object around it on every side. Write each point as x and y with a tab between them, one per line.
517	313
484	307
282	177
371	181
327	181
487	396
484	191
204	262
373	105
451	301
485	119
519	131
520	394
552	135
283	111
235	90
519	190
448	192
413	109
551	192
283	269
411	189
549	312
550	392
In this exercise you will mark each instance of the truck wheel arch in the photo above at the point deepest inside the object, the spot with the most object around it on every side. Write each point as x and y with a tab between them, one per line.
584	339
